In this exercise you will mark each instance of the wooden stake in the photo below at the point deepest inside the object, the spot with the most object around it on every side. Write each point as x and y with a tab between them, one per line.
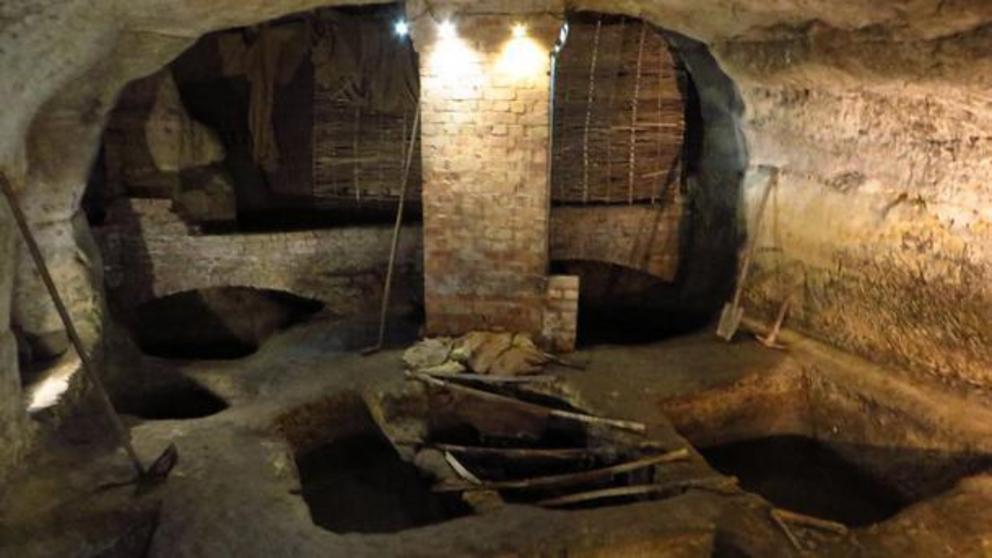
785	529
589	100
770	340
631	154
487	379
523	454
570	478
810	521
123	435
460	469
530	407
723	485
387	288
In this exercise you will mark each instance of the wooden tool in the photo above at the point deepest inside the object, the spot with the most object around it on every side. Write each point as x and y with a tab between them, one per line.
730	317
771	339
162	466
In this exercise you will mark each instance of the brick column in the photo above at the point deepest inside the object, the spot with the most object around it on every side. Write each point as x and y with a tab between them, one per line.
484	96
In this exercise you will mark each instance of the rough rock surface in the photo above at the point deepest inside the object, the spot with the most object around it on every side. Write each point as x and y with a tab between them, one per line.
175	140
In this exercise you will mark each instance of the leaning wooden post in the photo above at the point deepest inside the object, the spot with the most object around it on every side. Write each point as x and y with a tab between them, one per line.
123	437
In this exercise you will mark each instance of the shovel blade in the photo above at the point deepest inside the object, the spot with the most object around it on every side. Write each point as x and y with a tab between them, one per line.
730	320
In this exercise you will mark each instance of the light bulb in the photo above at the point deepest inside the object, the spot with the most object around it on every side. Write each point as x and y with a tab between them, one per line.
446	29
519	30
401	28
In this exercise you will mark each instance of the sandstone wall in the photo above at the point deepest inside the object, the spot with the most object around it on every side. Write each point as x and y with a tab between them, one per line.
882	224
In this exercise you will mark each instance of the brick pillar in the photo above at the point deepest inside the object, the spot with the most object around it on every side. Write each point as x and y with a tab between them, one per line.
484	97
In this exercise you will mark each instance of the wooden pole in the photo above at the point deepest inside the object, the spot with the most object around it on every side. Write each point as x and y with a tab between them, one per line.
589	100
123	436
632	153
570	478
387	288
530	407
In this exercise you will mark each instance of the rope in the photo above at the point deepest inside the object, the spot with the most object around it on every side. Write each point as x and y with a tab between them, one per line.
632	156
589	99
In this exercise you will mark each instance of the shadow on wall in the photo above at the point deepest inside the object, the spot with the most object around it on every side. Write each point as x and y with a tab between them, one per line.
716	161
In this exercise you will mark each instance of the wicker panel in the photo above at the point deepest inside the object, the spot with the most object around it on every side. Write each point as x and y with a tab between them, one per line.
618	114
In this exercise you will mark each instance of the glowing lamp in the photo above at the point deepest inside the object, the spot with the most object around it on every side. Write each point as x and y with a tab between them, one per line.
402	28
446	29
519	31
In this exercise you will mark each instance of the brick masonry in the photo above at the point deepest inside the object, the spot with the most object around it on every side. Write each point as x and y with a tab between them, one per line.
645	238
561	313
148	252
484	97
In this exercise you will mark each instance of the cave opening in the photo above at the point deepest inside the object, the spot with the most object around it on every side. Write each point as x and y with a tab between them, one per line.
177	399
216	323
298	123
359	484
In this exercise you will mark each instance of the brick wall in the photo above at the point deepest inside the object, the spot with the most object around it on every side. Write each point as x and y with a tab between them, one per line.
561	313
641	237
484	96
148	252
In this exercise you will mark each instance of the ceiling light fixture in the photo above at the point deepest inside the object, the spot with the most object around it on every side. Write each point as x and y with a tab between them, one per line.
446	29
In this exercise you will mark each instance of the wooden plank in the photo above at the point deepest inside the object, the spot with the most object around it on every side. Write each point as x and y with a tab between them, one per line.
530	407
724	485
566	479
562	454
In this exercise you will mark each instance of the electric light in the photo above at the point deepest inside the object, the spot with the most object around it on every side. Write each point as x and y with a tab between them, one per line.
519	31
446	29
402	28
522	57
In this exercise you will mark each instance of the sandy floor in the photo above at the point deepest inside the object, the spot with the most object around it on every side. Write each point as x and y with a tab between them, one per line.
236	491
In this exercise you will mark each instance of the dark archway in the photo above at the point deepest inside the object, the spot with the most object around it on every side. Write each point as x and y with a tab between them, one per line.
216	323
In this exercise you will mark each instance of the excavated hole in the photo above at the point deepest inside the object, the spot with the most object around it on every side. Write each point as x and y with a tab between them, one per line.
801	474
176	400
827	451
359	484
216	323
352	478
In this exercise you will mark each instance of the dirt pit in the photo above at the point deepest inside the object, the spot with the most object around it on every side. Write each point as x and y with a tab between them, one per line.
360	484
221	323
177	400
801	474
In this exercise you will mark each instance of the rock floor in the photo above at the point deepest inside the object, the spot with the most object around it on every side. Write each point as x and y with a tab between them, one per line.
235	491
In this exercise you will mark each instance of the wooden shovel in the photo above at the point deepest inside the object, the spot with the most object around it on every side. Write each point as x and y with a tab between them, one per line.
730	317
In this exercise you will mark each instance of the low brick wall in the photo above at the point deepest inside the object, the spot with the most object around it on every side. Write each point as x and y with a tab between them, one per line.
148	252
561	313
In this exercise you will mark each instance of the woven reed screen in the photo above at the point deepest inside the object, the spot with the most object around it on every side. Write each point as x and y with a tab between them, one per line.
618	114
364	102
358	153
